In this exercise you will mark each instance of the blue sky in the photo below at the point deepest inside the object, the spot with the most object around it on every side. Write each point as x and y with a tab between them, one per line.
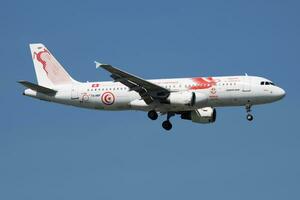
50	151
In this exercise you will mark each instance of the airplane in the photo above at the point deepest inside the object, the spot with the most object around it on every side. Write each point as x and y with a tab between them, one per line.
194	99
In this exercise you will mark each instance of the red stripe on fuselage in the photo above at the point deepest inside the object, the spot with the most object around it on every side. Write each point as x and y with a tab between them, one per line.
203	83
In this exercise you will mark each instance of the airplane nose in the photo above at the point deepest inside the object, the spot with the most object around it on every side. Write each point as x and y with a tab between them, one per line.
280	93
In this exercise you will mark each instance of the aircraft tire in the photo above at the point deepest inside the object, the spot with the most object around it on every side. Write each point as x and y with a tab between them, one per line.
167	125
250	117
152	115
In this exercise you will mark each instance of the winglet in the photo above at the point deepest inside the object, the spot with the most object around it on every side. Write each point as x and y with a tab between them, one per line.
100	64
97	64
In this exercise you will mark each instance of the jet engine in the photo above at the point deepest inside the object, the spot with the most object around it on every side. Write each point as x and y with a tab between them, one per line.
182	98
200	99
187	98
202	116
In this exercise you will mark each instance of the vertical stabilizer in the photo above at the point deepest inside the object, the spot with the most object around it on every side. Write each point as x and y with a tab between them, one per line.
49	71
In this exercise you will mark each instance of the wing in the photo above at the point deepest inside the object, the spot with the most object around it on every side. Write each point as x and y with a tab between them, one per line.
147	90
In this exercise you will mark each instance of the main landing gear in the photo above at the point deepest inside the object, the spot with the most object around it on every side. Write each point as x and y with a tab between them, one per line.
152	114
167	124
249	116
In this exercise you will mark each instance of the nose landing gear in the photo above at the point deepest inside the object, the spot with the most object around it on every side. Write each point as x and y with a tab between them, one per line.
249	116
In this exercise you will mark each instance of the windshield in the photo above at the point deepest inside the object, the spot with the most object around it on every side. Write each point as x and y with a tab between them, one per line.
267	83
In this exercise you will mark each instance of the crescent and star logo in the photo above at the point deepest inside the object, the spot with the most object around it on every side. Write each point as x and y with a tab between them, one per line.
108	98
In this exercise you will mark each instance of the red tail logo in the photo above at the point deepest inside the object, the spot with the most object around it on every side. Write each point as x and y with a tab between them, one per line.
41	60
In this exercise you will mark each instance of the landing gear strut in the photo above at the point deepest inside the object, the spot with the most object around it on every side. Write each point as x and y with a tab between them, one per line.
152	114
249	116
167	125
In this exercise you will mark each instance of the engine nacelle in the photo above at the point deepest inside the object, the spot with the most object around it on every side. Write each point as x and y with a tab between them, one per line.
203	115
187	98
182	98
200	99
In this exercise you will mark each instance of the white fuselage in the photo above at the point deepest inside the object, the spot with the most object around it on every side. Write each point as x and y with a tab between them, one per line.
218	92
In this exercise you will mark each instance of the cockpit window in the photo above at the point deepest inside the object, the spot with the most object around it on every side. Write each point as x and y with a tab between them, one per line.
266	83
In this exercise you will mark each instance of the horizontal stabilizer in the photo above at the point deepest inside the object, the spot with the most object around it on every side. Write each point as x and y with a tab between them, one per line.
38	88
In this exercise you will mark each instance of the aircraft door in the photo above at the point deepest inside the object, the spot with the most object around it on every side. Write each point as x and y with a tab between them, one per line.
74	93
247	84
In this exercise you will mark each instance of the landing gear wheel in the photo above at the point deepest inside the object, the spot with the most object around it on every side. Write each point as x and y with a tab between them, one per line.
167	125
249	117
248	109
152	115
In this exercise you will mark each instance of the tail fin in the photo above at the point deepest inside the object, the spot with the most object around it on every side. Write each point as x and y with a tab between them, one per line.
49	71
